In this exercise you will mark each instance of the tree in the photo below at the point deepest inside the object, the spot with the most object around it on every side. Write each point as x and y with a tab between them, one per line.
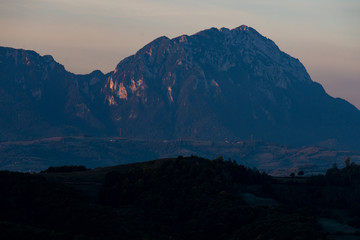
347	162
301	173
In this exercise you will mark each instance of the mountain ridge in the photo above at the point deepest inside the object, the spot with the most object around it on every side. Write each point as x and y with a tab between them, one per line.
215	84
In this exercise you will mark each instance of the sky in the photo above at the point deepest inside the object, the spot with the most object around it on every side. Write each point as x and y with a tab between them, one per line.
85	35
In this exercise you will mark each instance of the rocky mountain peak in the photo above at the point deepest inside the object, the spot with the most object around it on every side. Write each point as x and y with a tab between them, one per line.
208	55
243	28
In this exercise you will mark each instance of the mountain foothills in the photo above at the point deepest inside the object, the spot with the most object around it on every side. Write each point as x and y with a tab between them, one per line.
217	84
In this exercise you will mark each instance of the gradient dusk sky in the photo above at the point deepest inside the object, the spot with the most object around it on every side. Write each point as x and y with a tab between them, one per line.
85	35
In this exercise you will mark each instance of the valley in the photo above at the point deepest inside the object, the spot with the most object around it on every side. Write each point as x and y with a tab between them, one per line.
92	152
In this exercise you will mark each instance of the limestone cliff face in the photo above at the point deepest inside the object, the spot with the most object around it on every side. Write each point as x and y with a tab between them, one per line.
217	84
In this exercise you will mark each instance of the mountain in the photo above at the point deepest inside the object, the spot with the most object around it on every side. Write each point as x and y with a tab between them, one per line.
38	97
217	84
222	83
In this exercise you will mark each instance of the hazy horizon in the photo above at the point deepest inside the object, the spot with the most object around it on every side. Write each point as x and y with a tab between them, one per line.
87	35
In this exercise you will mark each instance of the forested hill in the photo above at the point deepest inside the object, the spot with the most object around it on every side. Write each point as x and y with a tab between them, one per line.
180	198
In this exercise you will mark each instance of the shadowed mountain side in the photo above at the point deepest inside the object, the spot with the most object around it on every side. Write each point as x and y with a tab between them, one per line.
40	98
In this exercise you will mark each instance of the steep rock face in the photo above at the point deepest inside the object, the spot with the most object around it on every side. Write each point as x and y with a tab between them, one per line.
155	94
222	83
39	98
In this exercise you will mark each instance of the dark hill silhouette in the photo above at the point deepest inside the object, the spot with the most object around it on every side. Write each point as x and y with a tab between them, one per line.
179	198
